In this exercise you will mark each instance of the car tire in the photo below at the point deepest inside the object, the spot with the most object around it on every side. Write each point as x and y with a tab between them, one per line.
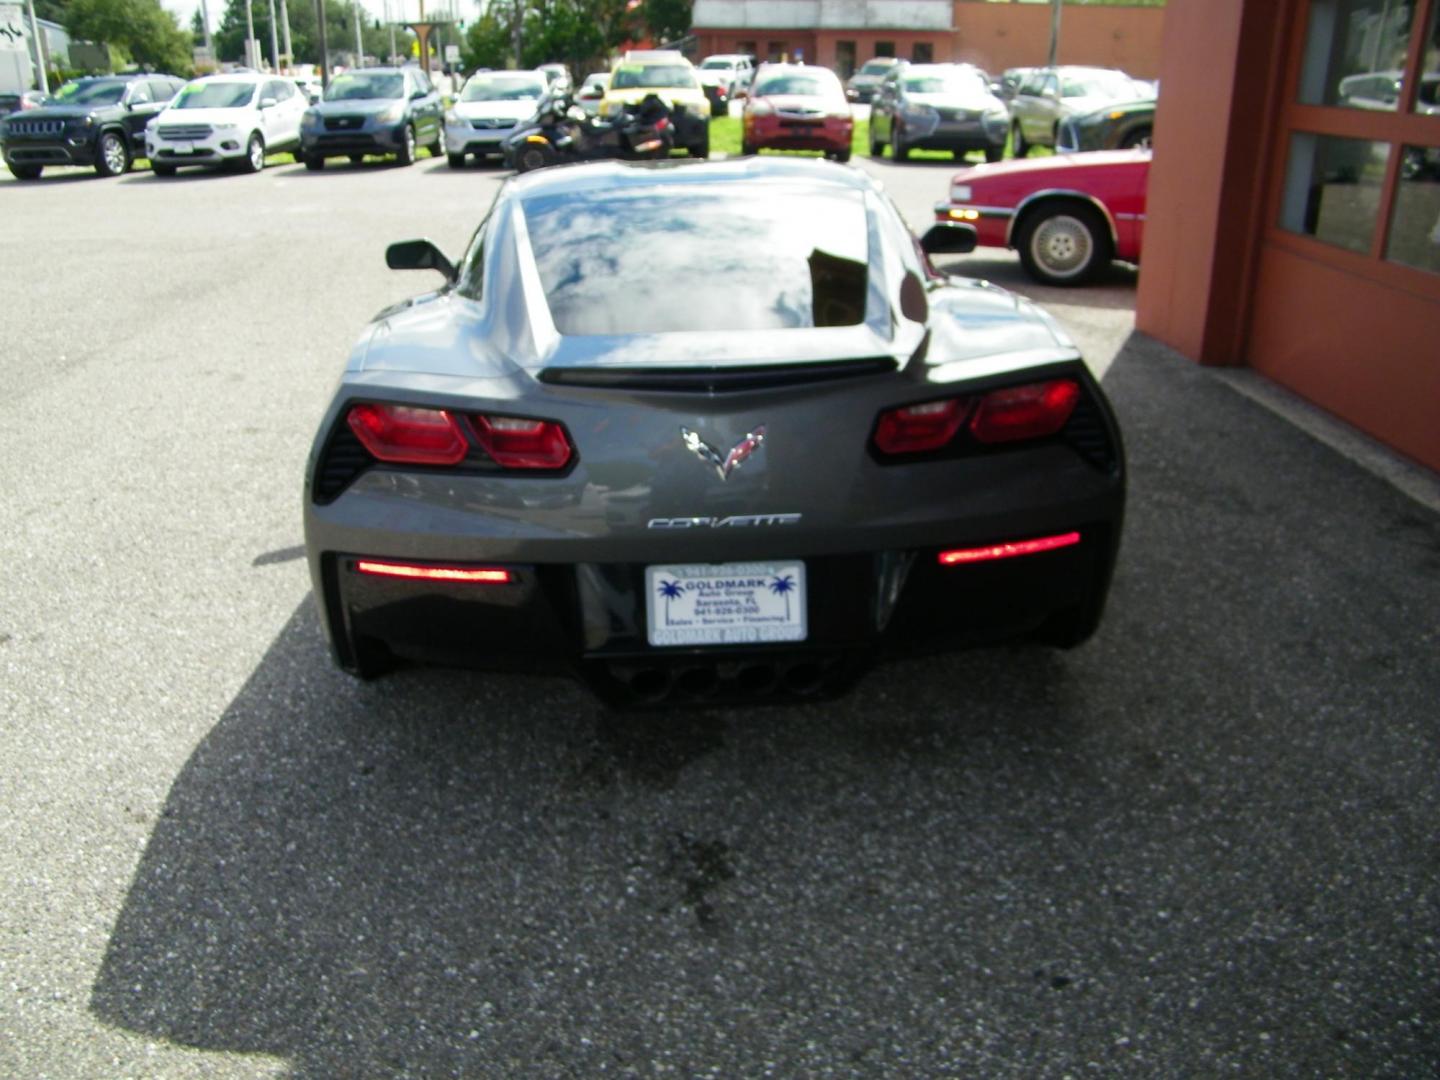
898	150
26	172
455	161
298	155
254	159
162	170
532	156
1139	139
994	153
406	154
112	155
877	149
356	159
315	163
438	149
1018	146
748	149
701	147
843	156
1063	243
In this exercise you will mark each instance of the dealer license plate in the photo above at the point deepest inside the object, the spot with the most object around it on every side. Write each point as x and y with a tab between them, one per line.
726	603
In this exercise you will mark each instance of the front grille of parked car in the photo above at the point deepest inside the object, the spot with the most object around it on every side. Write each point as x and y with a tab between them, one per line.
957	114
185	131
716	380
344	123
36	127
800	113
1069	136
485	123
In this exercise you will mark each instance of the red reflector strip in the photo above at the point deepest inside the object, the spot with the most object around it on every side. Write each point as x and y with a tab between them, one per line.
1008	551
477	575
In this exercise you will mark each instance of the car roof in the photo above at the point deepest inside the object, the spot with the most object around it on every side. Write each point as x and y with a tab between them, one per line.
664	56
619	175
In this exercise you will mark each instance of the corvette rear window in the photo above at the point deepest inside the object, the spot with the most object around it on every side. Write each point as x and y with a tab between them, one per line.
699	257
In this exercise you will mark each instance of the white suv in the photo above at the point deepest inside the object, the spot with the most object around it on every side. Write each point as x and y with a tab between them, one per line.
226	120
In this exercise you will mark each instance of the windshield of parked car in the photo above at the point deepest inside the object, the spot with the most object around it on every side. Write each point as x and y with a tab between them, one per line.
877	67
1100	84
656	75
801	83
665	258
215	95
958	81
504	88
360	87
90	93
712	64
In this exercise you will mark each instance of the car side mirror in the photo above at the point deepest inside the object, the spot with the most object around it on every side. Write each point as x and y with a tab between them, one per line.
949	238
420	255
268	103
417	95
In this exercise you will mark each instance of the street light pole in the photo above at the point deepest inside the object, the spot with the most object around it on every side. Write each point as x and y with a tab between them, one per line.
359	45
285	29
1054	30
41	77
251	59
274	42
324	48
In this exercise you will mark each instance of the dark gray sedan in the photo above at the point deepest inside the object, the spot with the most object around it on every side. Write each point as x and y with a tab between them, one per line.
616	443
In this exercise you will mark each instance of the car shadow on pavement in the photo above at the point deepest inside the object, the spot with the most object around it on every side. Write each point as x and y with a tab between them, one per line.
1203	842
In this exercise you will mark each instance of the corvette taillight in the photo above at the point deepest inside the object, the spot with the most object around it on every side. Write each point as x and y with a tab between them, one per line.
1024	412
405	435
918	428
518	443
470	575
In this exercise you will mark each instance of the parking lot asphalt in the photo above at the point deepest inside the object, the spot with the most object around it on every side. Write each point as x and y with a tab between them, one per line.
1205	842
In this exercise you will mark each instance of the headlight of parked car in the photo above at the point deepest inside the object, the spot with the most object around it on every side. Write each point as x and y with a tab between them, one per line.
761	107
393	113
451	116
310	118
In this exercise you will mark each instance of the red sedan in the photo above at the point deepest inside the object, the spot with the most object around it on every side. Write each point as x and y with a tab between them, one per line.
1067	216
794	107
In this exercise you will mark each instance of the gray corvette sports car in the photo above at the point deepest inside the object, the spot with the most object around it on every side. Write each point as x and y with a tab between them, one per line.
707	432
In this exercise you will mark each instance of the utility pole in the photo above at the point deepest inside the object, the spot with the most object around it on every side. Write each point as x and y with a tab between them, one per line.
205	22
41	76
274	42
324	49
285	29
252	58
359	45
1054	30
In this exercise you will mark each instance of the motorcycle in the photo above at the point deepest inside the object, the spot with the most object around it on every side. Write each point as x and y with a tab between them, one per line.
559	132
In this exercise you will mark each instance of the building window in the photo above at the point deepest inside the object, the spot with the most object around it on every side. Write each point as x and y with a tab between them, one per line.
845	59
747	48
1332	189
1414	238
884	48
1362	168
775	52
922	52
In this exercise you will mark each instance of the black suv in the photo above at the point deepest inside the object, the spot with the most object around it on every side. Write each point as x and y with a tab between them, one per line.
374	111
96	121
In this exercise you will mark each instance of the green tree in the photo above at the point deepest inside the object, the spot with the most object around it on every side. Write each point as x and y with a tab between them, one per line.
666	20
229	38
141	30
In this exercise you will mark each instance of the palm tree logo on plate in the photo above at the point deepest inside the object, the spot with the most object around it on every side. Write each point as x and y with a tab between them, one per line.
670	590
784	586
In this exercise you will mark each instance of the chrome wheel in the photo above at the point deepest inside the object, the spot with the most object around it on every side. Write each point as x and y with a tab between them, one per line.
1062	245
114	158
255	154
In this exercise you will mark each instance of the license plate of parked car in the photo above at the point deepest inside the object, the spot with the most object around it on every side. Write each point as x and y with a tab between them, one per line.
726	603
